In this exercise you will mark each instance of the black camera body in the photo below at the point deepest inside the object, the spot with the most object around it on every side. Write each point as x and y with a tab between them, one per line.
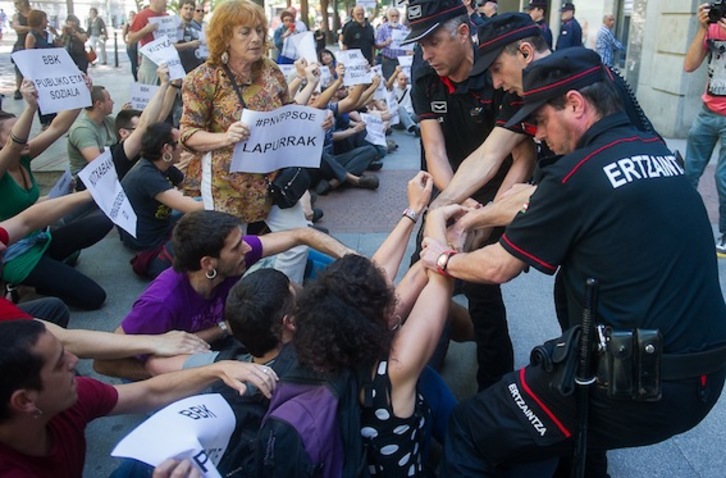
716	11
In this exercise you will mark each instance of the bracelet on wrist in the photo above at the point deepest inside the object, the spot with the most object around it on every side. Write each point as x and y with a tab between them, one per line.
17	140
443	262
410	214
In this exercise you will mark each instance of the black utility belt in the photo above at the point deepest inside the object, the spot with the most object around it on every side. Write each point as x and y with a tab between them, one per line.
632	364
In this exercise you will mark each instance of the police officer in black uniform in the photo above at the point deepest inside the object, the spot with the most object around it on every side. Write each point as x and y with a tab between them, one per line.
538	11
570	30
615	206
457	111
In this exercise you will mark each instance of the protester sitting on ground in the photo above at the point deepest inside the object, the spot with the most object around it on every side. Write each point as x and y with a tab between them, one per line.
259	314
54	313
130	125
327	59
350	317
37	260
211	126
210	254
151	189
45	408
402	91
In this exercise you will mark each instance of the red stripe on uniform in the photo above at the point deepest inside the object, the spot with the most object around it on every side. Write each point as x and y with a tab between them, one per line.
544	407
564	81
525	253
603	148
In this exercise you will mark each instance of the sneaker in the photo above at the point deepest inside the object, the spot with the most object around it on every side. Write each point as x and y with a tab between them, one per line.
323	187
721	246
18	95
317	214
368	182
375	166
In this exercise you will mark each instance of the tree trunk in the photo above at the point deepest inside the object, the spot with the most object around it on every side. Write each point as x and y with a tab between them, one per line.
325	19
69	6
304	13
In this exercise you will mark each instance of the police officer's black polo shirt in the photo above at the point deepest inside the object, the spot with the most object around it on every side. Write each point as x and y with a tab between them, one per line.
619	209
466	112
360	36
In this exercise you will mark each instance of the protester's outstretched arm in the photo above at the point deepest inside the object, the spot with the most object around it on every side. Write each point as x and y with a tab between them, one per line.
156	392
524	158
276	242
312	76
366	96
105	345
392	79
390	253
42	214
150	115
295	82
327	94
350	102
18	138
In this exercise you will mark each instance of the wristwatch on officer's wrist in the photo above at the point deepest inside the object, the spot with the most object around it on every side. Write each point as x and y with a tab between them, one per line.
443	261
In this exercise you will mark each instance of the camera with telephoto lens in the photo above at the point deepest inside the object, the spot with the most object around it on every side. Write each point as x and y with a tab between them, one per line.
716	11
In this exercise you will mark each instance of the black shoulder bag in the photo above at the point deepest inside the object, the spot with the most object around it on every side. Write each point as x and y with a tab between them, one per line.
290	183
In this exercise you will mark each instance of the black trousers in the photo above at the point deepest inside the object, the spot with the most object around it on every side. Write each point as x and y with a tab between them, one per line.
520	421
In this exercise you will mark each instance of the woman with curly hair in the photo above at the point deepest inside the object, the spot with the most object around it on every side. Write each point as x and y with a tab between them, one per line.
210	124
351	316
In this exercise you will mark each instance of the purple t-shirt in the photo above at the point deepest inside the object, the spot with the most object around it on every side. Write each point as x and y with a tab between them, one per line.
170	302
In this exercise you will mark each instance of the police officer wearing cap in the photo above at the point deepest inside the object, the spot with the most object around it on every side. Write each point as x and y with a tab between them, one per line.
457	111
616	206
538	12
570	31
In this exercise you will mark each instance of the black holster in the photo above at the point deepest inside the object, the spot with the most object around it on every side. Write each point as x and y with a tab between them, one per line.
631	366
559	358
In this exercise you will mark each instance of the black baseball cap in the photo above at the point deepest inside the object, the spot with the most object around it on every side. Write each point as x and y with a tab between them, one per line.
567	7
536	4
425	16
556	74
498	32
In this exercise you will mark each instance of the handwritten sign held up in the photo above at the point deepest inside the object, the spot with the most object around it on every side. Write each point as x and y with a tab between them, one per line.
162	50
375	132
357	68
59	83
141	94
197	428
101	179
168	27
288	136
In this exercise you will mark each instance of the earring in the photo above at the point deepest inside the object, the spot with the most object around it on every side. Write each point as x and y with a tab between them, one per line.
167	157
37	413
211	275
224	58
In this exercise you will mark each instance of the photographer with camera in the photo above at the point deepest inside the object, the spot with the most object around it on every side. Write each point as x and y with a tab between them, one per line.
710	124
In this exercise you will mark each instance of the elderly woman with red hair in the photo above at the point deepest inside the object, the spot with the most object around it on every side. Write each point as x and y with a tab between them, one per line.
211	126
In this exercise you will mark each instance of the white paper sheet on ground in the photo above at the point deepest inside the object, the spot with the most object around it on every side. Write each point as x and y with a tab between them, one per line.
381	92
374	129
168	27
357	68
141	94
288	136
392	103
198	428
63	186
304	46
101	179
162	50
398	36
59	82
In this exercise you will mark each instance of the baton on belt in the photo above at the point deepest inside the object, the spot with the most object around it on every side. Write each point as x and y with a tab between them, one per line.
584	377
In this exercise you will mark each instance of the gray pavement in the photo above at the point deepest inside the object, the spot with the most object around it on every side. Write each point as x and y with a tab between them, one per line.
360	219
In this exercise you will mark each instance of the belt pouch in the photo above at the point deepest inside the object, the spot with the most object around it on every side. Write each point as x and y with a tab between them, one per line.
620	364
650	348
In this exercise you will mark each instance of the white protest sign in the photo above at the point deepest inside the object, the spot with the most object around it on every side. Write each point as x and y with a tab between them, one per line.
326	78
197	428
398	36
357	69
59	83
141	94
370	4
287	70
168	27
375	132
289	47
203	51
381	92
101	179
162	50
63	186
405	63
288	136
304	45
392	104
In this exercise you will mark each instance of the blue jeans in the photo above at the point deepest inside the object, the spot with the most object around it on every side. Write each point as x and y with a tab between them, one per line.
708	128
